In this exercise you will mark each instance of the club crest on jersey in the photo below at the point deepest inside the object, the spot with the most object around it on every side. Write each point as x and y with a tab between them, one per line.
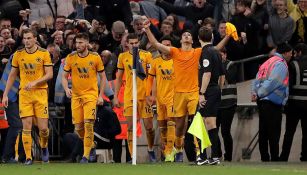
38	59
91	63
206	63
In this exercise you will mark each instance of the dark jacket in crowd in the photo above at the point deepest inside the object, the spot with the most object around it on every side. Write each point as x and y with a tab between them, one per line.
191	12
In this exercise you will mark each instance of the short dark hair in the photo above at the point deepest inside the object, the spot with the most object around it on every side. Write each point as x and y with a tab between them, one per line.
301	47
132	36
208	21
283	48
205	34
82	36
166	37
25	31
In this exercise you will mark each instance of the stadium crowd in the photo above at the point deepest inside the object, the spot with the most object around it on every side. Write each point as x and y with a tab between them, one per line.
68	51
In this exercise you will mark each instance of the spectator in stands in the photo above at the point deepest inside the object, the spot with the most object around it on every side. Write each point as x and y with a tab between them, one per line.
10	43
98	29
261	16
281	25
234	48
112	40
198	11
270	90
94	45
175	22
41	9
54	51
60	23
298	12
120	10
5	53
5	33
5	24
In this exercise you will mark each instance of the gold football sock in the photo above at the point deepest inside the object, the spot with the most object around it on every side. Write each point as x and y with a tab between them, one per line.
150	138
163	136
43	138
27	143
130	142
197	149
179	143
17	146
170	137
88	138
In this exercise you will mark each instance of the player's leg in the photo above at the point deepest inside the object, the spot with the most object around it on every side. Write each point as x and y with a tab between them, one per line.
128	114
181	110
162	123
89	107
78	117
42	115
170	133
146	114
26	113
27	138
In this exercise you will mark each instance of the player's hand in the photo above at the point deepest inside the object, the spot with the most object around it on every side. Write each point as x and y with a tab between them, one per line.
100	101
68	92
202	101
5	101
254	97
30	85
116	103
4	60
146	23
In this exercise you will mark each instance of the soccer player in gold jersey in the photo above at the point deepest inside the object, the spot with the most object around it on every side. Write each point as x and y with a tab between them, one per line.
162	69
35	68
83	66
125	62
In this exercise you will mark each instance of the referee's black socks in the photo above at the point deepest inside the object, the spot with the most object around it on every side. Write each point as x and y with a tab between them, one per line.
213	135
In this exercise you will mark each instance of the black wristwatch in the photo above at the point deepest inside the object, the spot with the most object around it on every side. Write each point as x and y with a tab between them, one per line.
200	93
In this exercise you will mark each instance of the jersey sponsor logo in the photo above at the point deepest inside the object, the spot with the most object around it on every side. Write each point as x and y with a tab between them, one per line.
29	68
166	74
206	63
83	72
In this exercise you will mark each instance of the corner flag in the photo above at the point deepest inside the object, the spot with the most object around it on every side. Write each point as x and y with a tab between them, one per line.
198	129
137	64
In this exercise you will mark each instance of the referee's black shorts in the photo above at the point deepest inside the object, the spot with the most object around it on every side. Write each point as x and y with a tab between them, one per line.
213	97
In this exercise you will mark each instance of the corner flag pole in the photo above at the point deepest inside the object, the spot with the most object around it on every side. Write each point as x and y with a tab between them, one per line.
134	105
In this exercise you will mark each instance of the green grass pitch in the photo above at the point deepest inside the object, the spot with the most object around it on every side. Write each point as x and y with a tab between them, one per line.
155	169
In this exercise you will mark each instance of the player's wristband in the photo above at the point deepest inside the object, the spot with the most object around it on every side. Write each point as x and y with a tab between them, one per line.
200	93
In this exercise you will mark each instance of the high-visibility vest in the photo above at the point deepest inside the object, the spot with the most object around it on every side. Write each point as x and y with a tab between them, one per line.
267	67
3	122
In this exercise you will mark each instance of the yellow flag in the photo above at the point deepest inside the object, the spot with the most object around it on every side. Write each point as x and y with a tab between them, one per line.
198	129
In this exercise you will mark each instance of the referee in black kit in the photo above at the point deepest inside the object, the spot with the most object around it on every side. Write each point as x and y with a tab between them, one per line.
211	76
